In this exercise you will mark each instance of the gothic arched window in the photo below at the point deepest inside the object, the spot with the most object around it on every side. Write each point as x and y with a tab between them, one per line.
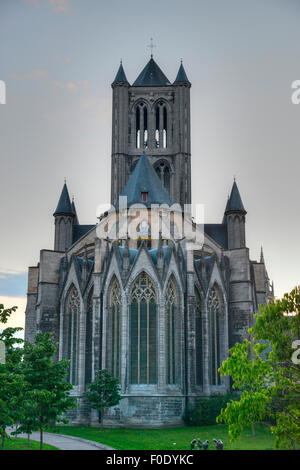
143	331
115	328
171	307
88	340
141	121
161	125
213	305
198	335
72	328
163	171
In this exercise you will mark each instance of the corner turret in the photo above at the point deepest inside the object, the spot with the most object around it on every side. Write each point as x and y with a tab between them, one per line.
65	219
235	219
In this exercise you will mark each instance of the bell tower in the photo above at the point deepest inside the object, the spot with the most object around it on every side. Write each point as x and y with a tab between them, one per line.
153	116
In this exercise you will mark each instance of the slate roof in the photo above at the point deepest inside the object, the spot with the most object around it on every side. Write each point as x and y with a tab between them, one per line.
153	253
234	203
145	180
151	75
80	230
132	253
64	206
217	232
182	76
120	77
75	213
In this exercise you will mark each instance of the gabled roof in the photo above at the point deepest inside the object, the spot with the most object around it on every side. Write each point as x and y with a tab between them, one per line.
120	77
145	180
182	76
234	203
151	75
64	206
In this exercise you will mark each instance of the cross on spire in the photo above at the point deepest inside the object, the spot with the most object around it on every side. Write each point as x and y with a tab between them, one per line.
151	46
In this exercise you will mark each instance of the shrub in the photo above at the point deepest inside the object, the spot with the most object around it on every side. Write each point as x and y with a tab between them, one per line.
206	409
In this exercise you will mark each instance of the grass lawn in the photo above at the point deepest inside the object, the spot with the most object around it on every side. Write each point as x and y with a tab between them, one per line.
169	439
19	443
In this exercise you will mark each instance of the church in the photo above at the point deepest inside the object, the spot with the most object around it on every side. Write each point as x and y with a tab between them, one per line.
146	292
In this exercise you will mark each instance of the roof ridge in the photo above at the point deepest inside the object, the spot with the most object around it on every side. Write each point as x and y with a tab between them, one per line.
152	75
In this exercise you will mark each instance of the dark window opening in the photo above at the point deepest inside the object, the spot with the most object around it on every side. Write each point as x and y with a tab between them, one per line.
141	118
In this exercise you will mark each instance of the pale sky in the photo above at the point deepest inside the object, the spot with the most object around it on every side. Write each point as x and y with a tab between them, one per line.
58	59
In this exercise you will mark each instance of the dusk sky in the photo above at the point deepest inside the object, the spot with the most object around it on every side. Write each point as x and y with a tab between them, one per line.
58	59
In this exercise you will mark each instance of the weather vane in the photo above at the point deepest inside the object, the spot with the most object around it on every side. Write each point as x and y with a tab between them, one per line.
152	46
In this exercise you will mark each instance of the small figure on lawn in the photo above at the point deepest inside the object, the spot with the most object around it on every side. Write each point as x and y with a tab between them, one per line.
193	444
219	444
199	443
205	445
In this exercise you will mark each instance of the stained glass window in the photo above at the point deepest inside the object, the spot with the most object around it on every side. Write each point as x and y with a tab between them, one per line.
143	331
115	323
214	334
198	336
171	306
72	314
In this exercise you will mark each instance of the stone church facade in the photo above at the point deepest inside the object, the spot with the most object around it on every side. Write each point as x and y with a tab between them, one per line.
133	293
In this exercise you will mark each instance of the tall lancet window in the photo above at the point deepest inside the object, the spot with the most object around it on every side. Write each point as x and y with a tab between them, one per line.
72	329
171	308
213	305
143	331
141	122
115	328
198	334
161	125
163	171
89	337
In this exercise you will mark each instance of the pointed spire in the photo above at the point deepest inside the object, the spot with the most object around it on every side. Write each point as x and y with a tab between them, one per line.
64	206
226	209
182	76
234	203
120	77
151	75
144	182
74	211
262	260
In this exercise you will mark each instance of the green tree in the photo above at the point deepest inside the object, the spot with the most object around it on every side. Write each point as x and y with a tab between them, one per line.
103	393
251	375
47	391
11	383
27	422
278	324
267	374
